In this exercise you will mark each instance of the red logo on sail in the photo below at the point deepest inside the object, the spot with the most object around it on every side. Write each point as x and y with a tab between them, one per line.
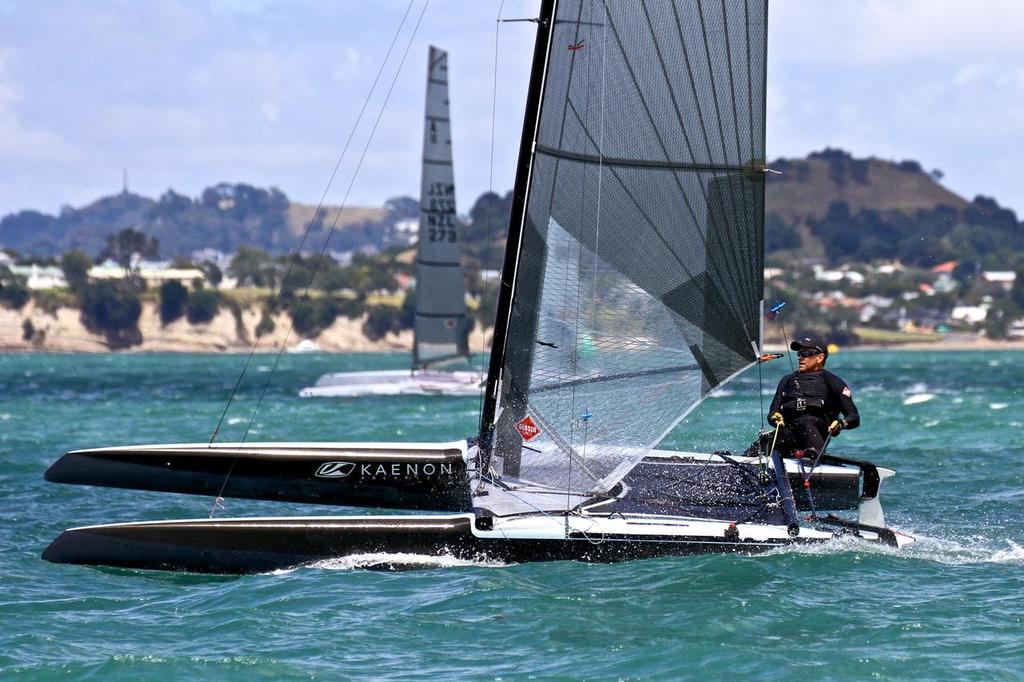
527	428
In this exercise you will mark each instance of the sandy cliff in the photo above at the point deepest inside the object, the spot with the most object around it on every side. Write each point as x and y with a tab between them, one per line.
63	331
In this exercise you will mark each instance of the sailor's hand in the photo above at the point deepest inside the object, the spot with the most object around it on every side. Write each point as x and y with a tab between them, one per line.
776	419
836	426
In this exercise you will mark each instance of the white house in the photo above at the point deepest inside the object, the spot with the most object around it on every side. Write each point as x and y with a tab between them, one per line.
1004	277
41	276
971	314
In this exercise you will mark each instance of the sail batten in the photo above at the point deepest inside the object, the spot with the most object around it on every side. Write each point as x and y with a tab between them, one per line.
440	321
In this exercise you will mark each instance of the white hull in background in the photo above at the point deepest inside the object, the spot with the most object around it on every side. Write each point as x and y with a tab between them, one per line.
395	382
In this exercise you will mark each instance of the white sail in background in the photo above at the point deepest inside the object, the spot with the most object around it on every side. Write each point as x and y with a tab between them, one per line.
441	324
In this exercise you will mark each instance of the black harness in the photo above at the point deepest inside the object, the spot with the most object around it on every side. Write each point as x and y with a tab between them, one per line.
803	404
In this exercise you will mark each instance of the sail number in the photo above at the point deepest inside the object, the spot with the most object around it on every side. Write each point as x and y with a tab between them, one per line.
440	189
440	212
441	228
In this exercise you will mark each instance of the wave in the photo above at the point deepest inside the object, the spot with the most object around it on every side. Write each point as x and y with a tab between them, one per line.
399	561
918	398
925	548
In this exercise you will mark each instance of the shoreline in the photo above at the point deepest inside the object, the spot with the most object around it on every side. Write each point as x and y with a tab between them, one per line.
61	331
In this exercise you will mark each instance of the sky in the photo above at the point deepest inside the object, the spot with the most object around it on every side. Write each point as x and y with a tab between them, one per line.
188	93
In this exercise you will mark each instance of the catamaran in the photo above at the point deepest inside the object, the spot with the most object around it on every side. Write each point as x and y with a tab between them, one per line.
441	327
631	288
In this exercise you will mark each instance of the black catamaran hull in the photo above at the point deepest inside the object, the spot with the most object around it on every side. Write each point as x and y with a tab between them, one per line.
241	546
430	477
400	476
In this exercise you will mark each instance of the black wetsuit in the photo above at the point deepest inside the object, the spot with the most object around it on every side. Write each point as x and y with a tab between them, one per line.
809	402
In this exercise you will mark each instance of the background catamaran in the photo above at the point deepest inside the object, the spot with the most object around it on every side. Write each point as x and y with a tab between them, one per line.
631	288
441	327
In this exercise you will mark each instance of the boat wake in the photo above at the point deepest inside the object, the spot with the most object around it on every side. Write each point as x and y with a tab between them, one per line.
975	550
399	561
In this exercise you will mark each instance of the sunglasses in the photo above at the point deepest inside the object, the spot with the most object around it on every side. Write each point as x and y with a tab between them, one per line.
809	352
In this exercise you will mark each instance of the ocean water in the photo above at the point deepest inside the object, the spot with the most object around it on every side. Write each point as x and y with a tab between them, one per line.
949	607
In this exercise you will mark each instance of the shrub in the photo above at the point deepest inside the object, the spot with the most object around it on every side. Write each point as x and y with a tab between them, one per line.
173	297
75	265
113	310
202	306
266	325
14	294
310	317
380	319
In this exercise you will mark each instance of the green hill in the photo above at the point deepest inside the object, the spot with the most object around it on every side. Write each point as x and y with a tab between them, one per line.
834	206
830	206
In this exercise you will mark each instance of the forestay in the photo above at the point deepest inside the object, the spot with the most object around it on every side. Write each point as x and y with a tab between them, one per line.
440	322
638	282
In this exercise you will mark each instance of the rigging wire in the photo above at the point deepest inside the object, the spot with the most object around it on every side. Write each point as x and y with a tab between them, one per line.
490	207
600	176
575	350
316	214
218	501
337	217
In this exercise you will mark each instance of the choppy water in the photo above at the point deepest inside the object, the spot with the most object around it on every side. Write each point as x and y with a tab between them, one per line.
950	607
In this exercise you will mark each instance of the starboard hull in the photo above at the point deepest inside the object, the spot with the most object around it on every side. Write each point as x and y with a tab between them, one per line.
241	546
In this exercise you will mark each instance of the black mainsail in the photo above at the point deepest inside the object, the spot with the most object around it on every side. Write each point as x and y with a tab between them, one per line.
633	282
440	322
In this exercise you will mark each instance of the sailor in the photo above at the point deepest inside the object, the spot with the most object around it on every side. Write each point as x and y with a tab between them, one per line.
808	403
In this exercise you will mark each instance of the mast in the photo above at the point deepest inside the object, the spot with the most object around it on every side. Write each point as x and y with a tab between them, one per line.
517	221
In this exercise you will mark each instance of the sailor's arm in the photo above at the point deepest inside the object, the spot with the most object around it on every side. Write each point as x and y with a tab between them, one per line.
846	405
776	405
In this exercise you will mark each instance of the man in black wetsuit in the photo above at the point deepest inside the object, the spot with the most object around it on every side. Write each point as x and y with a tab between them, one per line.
808	402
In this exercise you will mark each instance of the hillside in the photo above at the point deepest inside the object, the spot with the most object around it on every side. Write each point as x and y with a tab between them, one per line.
830	206
223	217
805	188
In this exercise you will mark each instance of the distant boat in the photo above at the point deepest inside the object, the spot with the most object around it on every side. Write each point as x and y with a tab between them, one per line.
441	326
306	346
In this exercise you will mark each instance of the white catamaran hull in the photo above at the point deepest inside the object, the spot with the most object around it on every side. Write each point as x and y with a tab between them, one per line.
395	382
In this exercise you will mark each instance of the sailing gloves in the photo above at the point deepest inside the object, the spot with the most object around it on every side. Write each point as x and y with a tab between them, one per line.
836	426
776	419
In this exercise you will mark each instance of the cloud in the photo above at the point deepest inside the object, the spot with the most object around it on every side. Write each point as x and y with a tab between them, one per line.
968	73
19	143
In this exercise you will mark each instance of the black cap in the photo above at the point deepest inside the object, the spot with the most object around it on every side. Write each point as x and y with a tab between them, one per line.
809	343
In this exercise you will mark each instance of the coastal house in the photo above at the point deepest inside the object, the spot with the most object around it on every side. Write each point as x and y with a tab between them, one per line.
889	268
1006	278
971	314
40	276
844	273
153	273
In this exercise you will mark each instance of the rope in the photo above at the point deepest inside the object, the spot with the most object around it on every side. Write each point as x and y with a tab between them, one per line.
313	220
337	217
490	204
574	355
807	477
327	240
